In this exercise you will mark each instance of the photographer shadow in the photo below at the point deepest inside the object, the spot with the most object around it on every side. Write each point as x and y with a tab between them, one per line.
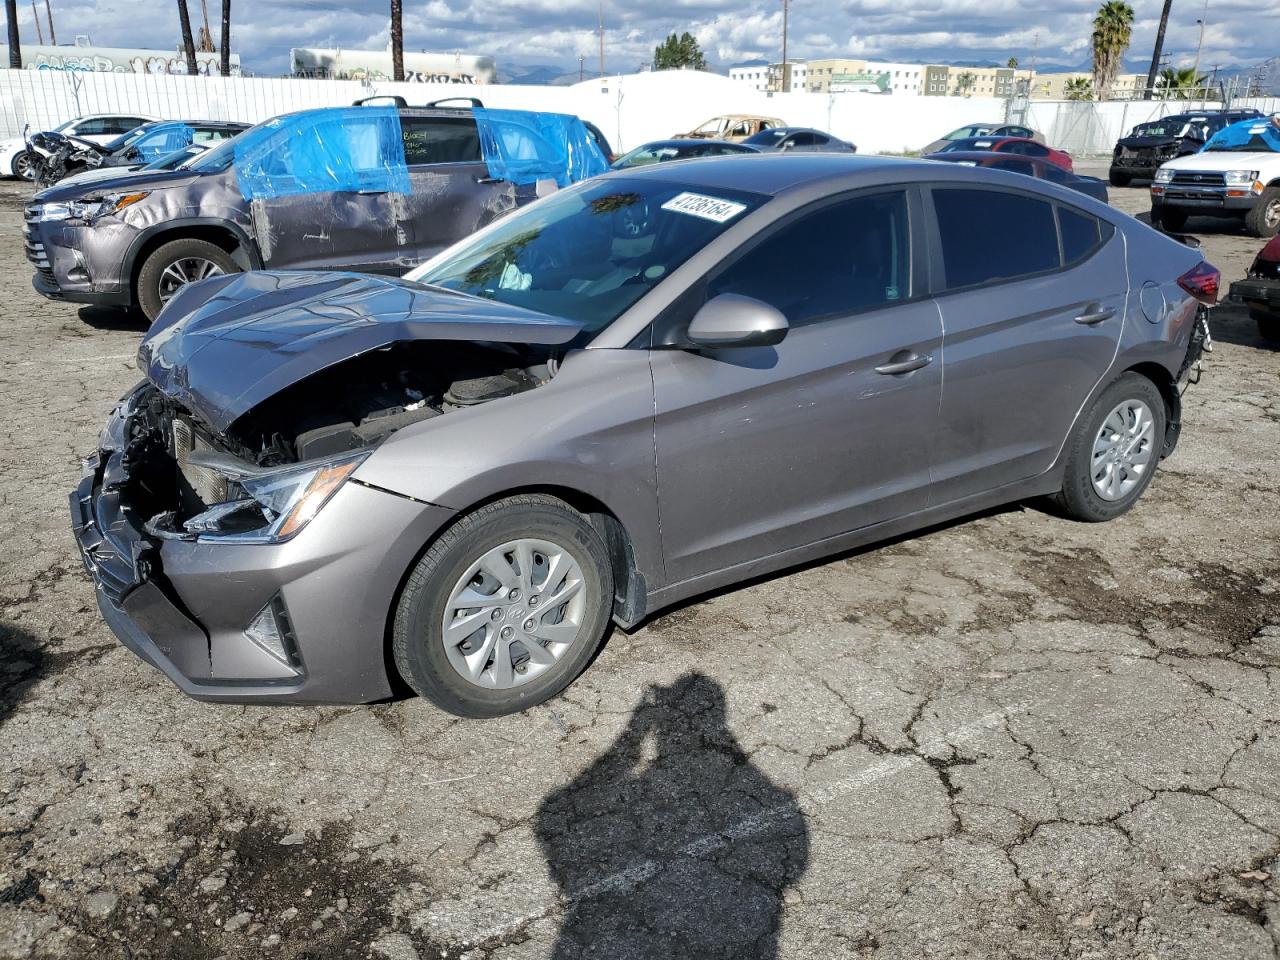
673	844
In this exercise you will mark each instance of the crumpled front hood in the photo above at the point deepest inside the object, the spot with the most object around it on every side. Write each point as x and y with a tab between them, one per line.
224	345
1147	143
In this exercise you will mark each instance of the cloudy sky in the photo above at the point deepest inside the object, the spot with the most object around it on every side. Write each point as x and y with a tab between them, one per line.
557	32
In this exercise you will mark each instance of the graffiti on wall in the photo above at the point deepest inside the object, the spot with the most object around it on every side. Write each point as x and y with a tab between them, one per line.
117	60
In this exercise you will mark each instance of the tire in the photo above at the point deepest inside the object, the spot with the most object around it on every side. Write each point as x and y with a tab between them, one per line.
434	669
1264	219
1119	179
1171	221
22	166
149	294
1268	323
1080	498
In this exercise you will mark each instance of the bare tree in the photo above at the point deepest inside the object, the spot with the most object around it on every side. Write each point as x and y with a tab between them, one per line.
397	42
188	43
53	37
15	44
225	64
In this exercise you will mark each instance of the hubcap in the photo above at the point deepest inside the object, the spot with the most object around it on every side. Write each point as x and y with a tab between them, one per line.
514	613
187	270
1123	450
22	166
1272	214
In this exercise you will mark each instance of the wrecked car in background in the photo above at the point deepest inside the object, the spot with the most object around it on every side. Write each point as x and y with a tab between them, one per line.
1236	175
329	483
59	157
1152	143
734	127
1260	290
376	189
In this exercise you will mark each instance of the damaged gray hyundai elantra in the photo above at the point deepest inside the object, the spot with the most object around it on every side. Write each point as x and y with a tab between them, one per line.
641	388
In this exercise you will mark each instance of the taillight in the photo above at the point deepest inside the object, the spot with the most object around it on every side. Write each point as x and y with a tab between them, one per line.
1202	281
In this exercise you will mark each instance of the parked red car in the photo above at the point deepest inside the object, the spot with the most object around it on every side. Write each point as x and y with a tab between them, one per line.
1260	290
1022	146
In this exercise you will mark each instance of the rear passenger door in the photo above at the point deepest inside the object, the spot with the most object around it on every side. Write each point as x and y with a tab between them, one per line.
453	194
1033	297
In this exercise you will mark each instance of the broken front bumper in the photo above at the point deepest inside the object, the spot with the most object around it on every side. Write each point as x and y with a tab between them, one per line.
184	605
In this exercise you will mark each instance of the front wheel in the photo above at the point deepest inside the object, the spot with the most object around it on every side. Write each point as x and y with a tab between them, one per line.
505	609
1169	220
1264	219
1114	450
175	264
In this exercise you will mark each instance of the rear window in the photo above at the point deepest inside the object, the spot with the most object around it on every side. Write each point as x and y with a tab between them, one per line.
439	140
989	235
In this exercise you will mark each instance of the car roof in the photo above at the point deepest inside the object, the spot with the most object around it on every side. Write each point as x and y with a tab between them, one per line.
686	144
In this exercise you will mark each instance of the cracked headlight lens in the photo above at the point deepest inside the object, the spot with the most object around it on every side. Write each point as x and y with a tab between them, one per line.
276	504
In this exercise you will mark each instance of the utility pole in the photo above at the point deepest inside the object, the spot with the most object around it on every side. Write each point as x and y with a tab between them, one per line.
1155	56
224	51
582	69
1195	71
35	16
785	82
53	37
601	40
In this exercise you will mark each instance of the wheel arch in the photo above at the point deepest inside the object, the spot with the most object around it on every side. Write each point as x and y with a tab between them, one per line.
631	589
228	236
1164	382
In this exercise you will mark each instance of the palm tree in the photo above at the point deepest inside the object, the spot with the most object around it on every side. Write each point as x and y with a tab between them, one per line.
1180	84
15	45
204	42
1013	63
1112	28
397	42
1148	93
188	43
1079	88
225	64
964	83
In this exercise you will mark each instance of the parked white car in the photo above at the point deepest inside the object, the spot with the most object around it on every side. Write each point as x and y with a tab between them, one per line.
1236	174
96	127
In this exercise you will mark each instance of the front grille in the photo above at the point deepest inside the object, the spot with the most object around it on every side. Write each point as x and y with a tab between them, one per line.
207	486
36	252
1198	179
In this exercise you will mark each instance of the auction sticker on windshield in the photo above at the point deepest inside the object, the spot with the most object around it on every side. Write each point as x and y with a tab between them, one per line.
708	208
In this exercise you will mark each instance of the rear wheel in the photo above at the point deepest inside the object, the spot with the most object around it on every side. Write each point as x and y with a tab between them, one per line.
175	264
505	609
1119	179
22	166
1114	450
1264	219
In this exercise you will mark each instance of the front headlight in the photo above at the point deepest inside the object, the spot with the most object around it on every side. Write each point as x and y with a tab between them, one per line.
91	209
1164	175
1241	176
274	505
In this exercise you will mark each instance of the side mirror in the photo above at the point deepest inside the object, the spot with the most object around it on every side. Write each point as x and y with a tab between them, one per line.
132	154
730	320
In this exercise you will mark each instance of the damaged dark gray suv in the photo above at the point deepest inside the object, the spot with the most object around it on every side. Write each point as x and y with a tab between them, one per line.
643	387
375	189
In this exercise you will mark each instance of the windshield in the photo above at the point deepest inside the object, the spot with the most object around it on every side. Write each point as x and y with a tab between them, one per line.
1168	127
130	137
964	133
216	159
171	161
589	252
643	156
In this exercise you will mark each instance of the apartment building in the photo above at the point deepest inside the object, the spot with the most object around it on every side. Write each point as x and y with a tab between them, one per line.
1053	86
877	76
948	81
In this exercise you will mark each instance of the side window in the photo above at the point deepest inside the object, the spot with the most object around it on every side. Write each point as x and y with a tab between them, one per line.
94	127
120	125
800	140
1081	234
1025	167
1056	174
439	140
208	135
819	140
989	235
849	255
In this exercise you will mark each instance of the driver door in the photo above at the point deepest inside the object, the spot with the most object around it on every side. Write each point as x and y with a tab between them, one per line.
761	450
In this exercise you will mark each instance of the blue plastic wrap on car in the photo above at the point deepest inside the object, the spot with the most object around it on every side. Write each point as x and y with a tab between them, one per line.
162	139
1261	133
524	146
358	149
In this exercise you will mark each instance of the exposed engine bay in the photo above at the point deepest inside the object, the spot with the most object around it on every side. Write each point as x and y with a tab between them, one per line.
178	469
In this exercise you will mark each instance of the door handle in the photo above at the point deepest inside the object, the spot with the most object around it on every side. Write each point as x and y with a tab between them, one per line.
913	361
1092	314
487	180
